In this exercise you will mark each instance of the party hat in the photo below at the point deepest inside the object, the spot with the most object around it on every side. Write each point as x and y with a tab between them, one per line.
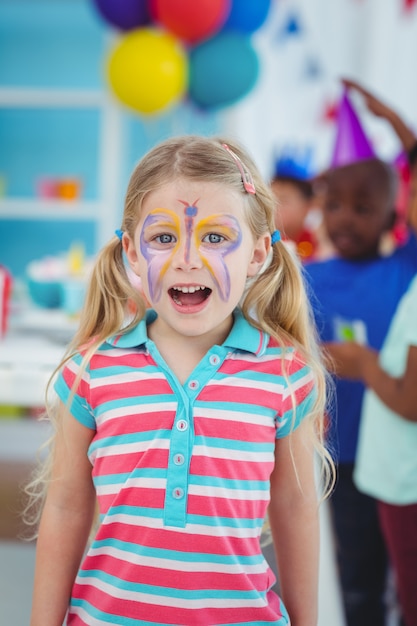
294	162
351	143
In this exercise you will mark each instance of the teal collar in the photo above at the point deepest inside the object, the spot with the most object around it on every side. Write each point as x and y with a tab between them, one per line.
243	336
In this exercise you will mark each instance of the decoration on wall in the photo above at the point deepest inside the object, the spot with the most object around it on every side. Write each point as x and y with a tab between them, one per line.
173	49
291	28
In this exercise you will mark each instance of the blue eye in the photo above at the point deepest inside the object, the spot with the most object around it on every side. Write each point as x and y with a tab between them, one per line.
213	238
165	238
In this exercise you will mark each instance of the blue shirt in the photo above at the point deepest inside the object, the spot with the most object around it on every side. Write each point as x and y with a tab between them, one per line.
355	300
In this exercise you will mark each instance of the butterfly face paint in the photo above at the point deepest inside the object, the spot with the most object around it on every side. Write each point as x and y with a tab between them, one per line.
217	236
214	238
159	241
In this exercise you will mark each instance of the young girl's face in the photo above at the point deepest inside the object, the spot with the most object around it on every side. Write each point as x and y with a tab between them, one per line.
194	251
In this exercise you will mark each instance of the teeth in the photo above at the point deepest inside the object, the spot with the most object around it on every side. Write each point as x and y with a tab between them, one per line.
190	289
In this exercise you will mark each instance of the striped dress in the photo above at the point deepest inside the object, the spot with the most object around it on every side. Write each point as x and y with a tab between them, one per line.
182	478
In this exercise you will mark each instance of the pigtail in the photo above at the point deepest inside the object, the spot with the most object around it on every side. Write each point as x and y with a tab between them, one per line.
111	303
277	302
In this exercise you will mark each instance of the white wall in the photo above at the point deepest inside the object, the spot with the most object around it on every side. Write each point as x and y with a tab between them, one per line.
371	41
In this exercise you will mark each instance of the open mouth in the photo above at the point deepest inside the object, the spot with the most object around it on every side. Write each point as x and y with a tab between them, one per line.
189	295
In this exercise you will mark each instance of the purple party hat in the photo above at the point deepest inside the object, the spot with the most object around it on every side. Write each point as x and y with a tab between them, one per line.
351	143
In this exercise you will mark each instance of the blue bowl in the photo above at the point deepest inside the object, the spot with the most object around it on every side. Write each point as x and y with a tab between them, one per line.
45	294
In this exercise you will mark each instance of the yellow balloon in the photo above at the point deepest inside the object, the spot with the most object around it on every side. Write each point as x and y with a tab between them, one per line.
148	70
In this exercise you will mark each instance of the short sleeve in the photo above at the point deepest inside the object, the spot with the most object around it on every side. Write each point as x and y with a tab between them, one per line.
299	396
79	404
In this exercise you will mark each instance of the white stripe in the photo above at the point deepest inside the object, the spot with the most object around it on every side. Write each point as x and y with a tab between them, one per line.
74	368
143	483
247	383
231	494
233	416
137	408
185	603
190	529
298	384
130	448
265	358
86	617
237	455
131	376
177	565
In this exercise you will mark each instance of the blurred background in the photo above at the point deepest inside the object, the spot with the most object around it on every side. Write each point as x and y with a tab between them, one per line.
86	88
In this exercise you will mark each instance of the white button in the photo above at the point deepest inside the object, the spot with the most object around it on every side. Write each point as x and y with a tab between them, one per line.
178	493
179	459
182	425
193	384
214	359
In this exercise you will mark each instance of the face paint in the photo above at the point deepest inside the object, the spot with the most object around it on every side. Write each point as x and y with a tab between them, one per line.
212	255
158	258
190	212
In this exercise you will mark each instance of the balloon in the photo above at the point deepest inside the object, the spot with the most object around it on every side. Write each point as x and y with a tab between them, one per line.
246	16
191	20
148	70
222	70
124	14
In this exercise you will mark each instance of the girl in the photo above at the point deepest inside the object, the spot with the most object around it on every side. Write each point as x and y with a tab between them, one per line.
185	420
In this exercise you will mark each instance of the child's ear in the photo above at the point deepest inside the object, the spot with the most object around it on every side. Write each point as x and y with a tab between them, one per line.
130	252
260	254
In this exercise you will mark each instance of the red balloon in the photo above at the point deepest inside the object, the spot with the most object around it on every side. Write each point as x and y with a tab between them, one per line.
190	20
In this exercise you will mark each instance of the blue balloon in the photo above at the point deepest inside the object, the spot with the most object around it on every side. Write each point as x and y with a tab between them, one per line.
246	16
222	70
124	14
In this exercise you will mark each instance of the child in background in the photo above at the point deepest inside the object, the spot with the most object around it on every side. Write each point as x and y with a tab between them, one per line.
191	419
386	460
296	214
354	298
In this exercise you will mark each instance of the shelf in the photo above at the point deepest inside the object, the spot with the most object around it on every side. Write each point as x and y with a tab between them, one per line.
65	98
40	209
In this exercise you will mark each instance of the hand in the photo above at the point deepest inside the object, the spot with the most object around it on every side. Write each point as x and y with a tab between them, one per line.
348	359
375	106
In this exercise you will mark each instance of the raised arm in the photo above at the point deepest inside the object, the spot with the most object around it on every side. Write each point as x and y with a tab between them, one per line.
404	133
65	524
294	522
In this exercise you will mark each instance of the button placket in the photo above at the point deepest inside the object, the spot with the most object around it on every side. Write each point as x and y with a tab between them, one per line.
177	474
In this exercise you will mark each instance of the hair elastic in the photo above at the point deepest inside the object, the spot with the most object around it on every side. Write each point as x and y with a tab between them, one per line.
275	237
247	179
119	234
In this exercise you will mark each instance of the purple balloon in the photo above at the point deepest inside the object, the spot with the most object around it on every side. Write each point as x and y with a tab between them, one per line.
124	14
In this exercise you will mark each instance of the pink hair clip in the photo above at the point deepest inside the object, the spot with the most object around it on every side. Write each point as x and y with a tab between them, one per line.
247	179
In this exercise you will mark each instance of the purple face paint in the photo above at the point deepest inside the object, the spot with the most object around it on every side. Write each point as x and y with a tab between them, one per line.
158	258
225	226
190	212
165	223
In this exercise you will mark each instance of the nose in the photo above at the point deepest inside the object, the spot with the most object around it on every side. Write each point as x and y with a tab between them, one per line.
186	256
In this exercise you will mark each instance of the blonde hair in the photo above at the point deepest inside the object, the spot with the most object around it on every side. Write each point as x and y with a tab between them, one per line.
275	301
